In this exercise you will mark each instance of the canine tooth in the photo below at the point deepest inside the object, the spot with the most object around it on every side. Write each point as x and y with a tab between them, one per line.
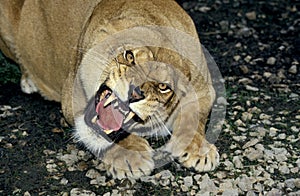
94	120
108	131
110	99
129	116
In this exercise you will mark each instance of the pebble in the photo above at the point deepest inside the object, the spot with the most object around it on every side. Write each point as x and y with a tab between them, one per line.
207	185
239	123
244	69
244	183
267	74
293	69
246	116
81	192
69	159
264	116
237	162
184	188
252	142
274	192
271	61
64	181
251	88
273	132
251	15
282	136
188	181
290	183
295	129
284	169
230	192
237	57
165	174
253	154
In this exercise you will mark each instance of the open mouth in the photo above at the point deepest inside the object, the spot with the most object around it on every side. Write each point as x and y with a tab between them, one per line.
109	114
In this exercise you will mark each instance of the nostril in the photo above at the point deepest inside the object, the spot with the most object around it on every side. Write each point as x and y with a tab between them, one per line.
136	94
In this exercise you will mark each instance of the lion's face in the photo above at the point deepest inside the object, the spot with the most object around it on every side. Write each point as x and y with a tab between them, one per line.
137	94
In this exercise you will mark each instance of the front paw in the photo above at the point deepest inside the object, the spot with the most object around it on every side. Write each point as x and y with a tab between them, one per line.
202	158
130	158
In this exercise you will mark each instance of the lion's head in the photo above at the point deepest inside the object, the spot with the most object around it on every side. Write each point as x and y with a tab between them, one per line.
138	92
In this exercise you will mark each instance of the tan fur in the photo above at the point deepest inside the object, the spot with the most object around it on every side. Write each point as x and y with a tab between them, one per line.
56	44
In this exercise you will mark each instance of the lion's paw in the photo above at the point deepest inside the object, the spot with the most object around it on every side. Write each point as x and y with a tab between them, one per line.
202	160
27	85
129	162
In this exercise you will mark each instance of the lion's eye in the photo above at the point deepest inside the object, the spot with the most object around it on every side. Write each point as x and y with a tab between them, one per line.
164	88
128	56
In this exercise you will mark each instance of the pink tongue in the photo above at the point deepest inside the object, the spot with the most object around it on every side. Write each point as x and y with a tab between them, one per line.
110	118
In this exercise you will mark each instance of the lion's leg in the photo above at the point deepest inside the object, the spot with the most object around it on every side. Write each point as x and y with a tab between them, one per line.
131	157
190	146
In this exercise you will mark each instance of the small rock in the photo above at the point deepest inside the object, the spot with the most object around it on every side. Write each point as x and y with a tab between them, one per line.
297	183
239	123
184	188
164	182
248	58
204	9
297	193
27	193
252	142
271	61
293	69
290	183
251	15
244	183
64	181
231	192
295	129
229	165
253	154
264	117
274	192
244	69
282	136
237	162
267	74
246	32
298	163
51	168
246	116
251	88
81	192
188	181
237	57
284	169
273	132
294	96
151	179
166	174
239	138
207	185
251	193
69	159
92	174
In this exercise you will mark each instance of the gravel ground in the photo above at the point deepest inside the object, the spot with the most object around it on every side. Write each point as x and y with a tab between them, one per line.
256	45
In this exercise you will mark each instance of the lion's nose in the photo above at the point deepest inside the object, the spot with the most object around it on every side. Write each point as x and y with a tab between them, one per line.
136	94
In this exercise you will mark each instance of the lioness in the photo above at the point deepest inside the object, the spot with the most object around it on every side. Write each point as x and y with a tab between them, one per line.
123	70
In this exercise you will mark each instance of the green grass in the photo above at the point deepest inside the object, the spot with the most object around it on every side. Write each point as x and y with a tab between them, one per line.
9	71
